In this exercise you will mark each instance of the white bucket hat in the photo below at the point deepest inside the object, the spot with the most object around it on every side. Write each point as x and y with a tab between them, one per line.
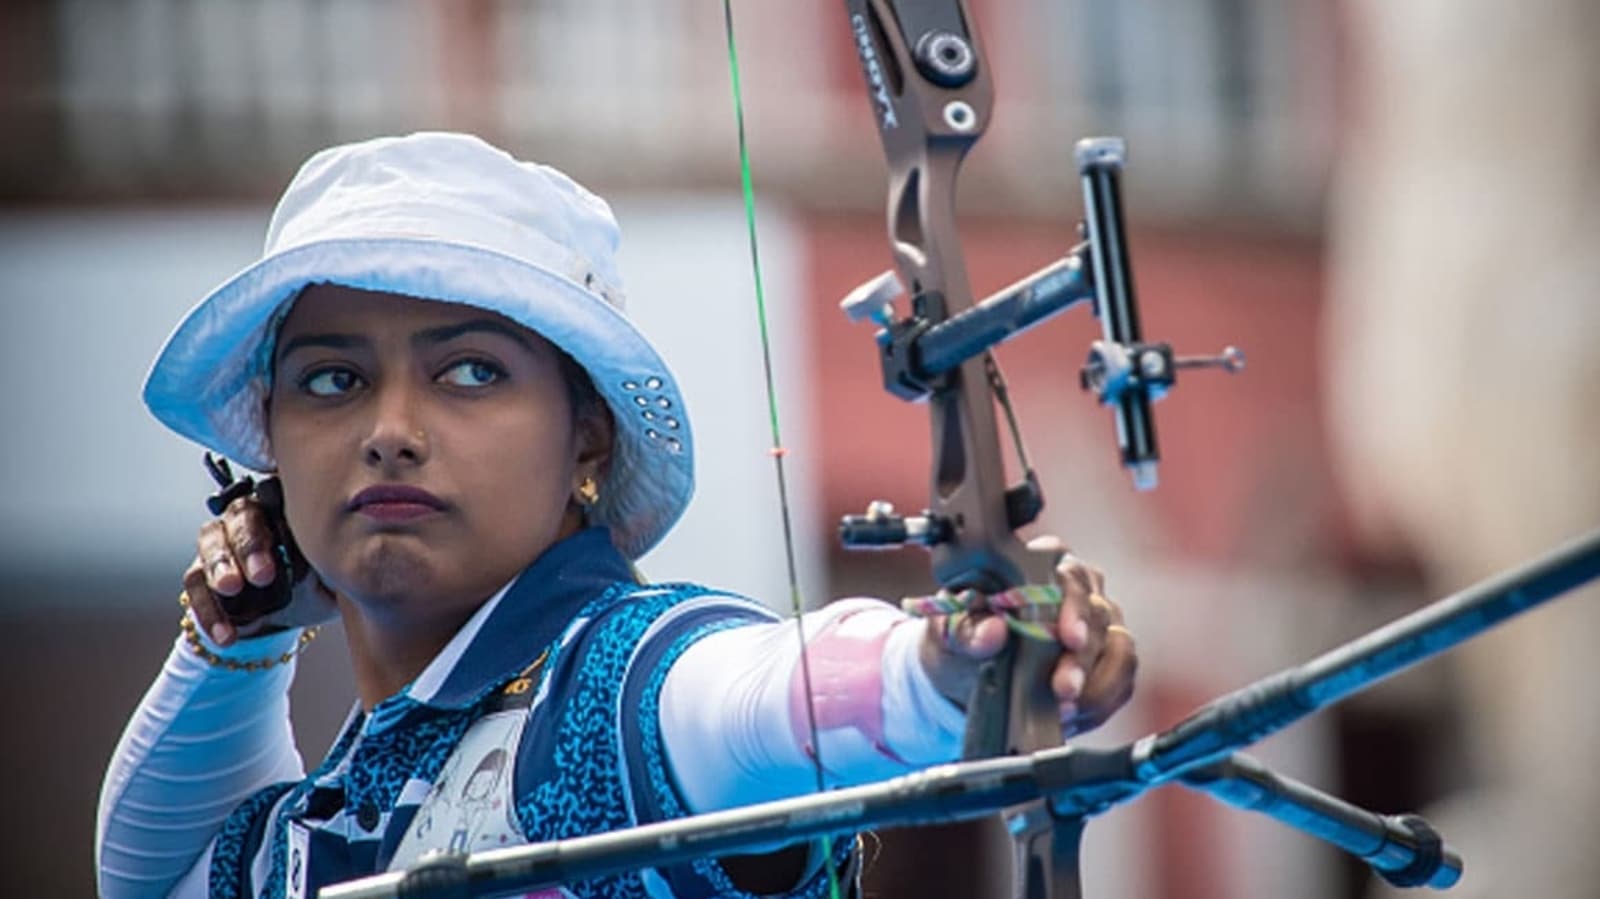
442	217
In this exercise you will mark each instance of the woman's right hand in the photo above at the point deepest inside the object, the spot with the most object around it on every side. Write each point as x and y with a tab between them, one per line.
233	551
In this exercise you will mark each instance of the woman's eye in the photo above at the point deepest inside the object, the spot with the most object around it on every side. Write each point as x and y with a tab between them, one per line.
330	382
472	373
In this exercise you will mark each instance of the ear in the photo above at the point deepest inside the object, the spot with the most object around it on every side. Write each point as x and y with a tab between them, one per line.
596	435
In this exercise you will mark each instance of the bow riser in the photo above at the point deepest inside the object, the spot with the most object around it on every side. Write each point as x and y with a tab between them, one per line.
931	96
931	109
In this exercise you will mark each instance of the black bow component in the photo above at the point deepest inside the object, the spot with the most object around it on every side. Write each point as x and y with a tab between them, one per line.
252	602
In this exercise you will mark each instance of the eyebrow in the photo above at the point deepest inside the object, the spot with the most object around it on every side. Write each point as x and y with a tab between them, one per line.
440	334
478	325
331	341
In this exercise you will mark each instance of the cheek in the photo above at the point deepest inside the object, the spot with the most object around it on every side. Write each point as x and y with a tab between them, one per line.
521	461
307	485
521	470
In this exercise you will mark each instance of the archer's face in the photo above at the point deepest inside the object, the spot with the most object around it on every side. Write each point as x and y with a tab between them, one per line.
427	450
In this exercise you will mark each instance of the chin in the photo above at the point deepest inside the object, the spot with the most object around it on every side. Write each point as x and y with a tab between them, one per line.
386	570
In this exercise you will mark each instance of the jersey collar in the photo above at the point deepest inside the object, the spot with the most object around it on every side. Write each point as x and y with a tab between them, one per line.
509	631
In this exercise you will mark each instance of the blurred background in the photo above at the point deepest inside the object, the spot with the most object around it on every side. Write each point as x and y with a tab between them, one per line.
1393	208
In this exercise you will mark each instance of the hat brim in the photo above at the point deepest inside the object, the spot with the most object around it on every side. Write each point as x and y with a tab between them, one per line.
210	380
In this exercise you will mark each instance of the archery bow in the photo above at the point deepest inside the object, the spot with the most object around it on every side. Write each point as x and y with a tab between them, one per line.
931	95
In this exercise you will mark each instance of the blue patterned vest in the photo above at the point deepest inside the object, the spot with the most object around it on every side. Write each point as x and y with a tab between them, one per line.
545	728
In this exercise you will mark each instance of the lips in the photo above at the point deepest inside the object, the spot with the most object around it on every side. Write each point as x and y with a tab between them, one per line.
395	502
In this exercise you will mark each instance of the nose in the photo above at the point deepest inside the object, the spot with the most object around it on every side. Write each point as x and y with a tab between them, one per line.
397	436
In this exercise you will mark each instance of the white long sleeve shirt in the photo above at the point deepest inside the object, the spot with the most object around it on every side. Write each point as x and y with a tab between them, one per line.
731	714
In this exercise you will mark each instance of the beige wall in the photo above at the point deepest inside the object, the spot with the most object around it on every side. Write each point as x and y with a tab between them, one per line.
1463	342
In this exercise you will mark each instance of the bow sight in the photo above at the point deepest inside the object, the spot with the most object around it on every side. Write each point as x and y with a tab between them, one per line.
931	95
1122	371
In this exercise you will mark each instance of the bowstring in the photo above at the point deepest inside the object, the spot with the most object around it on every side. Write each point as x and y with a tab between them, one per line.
778	452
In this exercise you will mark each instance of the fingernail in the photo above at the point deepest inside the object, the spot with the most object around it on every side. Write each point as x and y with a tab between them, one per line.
257	566
1077	634
1075	681
219	633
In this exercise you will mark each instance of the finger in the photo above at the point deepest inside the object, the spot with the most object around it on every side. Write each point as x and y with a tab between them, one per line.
1110	681
1067	680
1097	578
975	635
1072	670
1084	634
1073	569
221	569
1102	612
251	539
1048	543
204	606
1079	618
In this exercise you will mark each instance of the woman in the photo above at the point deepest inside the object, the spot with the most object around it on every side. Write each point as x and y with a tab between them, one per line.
473	444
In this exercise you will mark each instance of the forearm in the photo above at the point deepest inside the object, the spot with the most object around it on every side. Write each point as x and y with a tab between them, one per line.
736	720
202	739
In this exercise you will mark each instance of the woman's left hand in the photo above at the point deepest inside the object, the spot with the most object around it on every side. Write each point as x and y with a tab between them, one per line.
1095	673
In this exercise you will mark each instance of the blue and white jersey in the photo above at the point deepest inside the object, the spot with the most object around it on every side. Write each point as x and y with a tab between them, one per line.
538	722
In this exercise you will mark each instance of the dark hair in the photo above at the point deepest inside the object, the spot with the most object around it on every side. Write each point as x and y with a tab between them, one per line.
582	396
588	406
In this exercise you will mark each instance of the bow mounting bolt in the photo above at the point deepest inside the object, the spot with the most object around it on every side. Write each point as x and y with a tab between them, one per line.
960	116
883	528
946	58
874	300
1230	360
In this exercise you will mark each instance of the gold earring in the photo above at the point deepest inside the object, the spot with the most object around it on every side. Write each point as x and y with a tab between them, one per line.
588	492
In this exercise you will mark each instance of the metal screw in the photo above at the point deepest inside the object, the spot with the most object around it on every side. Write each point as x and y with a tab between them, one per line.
1230	360
946	57
960	116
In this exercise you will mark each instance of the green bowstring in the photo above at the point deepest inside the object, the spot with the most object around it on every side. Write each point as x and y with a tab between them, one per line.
772	417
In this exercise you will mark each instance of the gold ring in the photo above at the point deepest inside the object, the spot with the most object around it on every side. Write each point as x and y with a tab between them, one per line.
1117	627
183	598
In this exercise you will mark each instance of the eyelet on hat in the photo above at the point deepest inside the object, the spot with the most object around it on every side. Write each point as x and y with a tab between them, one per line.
446	217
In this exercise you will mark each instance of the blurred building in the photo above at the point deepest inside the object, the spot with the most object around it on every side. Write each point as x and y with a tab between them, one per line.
145	140
1464	385
1228	102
